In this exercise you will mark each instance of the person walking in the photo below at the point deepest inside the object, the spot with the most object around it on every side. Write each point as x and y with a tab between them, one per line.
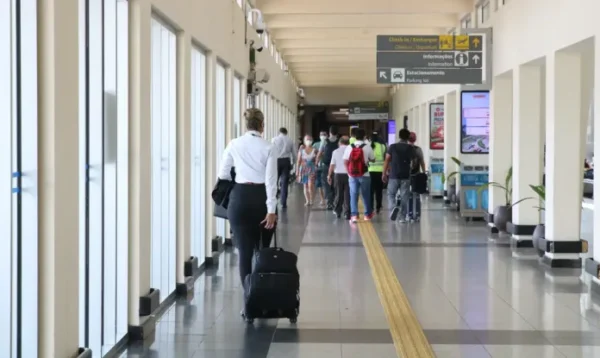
284	149
321	173
329	145
252	209
396	172
306	169
356	158
376	172
418	166
338	176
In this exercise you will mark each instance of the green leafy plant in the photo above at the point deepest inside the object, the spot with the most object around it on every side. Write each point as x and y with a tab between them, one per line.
451	174
507	187
540	190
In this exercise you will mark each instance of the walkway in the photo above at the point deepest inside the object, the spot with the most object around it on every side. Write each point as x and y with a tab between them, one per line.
474	297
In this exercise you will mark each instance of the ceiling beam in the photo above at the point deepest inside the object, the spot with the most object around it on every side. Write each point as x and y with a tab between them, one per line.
269	7
350	33
326	65
291	52
333	58
361	21
327	44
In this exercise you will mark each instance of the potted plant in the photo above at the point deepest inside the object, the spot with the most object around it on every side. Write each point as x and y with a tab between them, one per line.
452	194
540	229
503	213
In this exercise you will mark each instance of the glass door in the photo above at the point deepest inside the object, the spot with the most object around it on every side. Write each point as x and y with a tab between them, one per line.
220	118
103	180
163	114
18	179
198	212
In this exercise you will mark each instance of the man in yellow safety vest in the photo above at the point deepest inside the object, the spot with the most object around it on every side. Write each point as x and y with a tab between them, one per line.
376	172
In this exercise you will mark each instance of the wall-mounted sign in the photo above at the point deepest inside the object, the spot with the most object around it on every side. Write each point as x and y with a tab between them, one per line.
475	122
436	125
368	110
427	59
391	129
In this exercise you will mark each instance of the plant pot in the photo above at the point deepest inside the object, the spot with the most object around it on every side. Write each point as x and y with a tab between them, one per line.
539	233
502	216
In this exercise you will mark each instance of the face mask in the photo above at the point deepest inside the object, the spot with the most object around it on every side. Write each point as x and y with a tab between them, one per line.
323	137
307	142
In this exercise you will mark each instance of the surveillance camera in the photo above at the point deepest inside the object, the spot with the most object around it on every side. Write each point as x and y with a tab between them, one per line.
260	24
256	47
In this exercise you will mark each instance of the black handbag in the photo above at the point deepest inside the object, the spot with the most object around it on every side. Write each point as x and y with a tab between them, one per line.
220	195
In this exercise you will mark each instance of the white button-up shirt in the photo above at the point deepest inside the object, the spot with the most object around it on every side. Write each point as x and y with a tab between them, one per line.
283	147
255	161
337	160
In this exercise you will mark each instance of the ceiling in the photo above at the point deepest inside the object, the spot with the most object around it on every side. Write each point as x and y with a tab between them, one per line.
332	43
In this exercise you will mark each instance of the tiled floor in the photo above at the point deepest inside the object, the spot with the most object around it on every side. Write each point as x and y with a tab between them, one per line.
474	297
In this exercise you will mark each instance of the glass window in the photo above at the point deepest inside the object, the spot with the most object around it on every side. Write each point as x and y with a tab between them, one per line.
198	191
103	186
485	12
163	126
250	15
18	179
221	108
266	40
239	2
237	106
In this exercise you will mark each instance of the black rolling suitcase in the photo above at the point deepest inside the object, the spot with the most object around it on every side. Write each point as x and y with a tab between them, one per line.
273	287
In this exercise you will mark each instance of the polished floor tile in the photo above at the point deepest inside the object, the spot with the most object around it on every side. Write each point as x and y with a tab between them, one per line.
474	296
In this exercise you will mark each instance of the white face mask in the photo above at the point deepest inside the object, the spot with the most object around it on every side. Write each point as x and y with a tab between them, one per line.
323	137
307	142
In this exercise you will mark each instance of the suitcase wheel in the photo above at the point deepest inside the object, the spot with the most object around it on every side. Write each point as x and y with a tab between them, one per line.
293	320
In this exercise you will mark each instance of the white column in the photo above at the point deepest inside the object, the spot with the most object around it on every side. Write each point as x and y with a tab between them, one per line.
527	121
596	243
140	163
500	137
58	177
563	154
211	171
184	151
425	133
450	140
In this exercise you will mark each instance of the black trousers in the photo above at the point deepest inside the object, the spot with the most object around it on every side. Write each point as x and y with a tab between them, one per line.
376	190
342	194
247	208
284	166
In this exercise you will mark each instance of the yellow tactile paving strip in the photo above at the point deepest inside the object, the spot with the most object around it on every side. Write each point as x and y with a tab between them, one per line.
407	333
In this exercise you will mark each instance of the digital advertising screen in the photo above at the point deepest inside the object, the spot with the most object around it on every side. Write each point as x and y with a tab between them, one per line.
475	122
391	130
436	122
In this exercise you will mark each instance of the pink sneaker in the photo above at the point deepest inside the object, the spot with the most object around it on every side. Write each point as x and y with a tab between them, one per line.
369	217
354	220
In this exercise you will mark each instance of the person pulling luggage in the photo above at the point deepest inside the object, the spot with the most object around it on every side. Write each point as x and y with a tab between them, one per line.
252	209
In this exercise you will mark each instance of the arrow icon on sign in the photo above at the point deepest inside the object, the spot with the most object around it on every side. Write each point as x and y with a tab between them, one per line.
476	59
476	42
382	75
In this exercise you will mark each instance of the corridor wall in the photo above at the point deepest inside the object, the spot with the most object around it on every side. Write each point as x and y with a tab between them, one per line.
128	153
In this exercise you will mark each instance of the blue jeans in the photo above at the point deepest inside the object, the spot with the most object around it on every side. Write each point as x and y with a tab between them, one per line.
362	184
399	195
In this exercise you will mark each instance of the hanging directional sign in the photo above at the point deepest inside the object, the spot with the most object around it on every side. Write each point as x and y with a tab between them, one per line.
445	59
368	110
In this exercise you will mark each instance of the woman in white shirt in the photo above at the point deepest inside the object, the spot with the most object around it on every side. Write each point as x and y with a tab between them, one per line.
253	200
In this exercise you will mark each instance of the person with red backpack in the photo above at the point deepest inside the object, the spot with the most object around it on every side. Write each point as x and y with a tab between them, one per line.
356	158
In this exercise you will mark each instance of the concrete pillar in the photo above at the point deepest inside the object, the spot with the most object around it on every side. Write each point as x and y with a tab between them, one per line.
58	177
563	154
184	152
501	141
139	164
450	139
211	139
527	167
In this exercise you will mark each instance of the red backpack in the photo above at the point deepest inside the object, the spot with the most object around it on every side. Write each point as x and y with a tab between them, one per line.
356	163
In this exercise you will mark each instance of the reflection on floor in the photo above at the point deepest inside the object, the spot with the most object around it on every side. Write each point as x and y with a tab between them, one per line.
474	297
